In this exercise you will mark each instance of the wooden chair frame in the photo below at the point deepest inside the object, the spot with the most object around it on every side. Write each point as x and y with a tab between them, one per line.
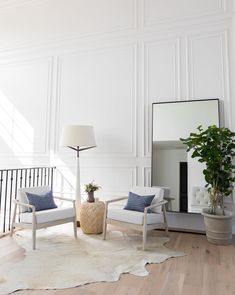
139	227
34	225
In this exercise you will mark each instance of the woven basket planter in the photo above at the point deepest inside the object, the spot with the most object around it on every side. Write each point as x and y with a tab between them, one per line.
91	217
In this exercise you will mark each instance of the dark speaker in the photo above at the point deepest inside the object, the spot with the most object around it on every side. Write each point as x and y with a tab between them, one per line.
183	187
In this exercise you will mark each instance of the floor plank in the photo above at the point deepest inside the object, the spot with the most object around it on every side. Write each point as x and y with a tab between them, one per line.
205	269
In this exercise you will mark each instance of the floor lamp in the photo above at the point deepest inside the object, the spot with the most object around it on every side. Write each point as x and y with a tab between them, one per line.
78	138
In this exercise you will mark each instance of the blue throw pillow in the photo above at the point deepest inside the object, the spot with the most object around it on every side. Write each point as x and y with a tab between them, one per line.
138	203
41	202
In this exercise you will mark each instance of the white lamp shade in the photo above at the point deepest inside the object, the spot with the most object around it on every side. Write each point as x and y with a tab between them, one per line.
78	135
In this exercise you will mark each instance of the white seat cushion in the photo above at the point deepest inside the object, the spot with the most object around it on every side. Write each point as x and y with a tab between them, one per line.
133	216
146	191
48	215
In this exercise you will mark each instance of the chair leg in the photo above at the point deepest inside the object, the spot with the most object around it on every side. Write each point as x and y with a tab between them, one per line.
34	229
166	229
165	220
144	238
34	237
75	220
75	227
13	220
104	229
105	221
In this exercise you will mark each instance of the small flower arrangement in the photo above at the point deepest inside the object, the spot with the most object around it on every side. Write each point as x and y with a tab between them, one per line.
91	187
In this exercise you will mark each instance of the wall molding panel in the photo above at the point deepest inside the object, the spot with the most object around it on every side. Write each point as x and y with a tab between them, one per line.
167	89
9	4
219	64
81	19
147	176
117	178
213	8
226	81
114	180
131	51
33	68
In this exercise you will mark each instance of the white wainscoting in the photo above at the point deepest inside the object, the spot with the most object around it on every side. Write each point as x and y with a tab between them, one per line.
103	62
169	11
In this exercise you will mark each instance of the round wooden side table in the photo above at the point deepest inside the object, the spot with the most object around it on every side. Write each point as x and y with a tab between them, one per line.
91	217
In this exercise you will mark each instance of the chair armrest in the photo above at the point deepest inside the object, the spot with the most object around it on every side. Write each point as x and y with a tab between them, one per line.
24	205
63	192
155	205
112	201
115	200
169	198
64	199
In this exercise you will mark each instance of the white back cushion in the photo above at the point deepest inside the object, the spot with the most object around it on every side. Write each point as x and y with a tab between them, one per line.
147	191
167	191
37	190
200	196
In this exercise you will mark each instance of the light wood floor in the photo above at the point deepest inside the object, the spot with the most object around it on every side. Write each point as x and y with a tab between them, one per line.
206	269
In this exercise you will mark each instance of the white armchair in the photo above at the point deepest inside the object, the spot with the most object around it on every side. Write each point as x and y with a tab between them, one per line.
142	221
199	199
41	219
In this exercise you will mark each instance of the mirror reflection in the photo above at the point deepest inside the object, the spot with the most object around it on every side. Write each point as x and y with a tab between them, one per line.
172	166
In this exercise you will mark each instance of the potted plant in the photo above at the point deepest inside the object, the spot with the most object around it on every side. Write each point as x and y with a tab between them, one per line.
215	147
90	188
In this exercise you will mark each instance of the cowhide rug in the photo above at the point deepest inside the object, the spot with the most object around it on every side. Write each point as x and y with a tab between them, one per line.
60	261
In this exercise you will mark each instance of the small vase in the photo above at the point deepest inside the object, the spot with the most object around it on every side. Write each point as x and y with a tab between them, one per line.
90	198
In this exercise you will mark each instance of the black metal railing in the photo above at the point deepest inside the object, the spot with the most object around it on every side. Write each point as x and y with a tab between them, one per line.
13	179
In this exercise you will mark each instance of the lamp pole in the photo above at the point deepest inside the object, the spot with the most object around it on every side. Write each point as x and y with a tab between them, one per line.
78	182
78	138
78	189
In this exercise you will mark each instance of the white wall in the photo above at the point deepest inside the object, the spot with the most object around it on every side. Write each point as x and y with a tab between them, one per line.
103	62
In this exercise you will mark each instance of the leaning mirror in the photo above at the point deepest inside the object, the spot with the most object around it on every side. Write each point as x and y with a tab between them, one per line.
172	166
